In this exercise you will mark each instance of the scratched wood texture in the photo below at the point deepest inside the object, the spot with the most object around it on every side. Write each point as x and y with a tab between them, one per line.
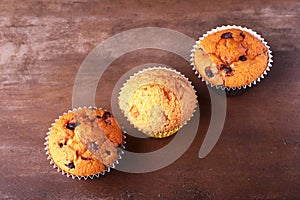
42	45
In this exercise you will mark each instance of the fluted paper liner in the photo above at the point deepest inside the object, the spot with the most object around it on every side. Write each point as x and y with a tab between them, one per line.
222	87
158	75
97	175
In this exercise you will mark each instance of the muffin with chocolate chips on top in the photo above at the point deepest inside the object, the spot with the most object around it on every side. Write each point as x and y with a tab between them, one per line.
84	142
231	57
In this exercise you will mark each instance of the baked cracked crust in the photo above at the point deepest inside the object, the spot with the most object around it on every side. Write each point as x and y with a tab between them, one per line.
158	109
231	57
84	142
157	101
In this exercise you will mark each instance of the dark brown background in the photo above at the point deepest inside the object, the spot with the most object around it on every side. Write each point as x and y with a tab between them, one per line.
42	45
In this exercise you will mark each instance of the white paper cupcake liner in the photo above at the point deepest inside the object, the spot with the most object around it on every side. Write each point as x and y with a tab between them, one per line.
222	87
92	176
161	134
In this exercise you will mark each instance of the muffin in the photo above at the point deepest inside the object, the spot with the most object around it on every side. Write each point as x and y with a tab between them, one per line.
84	142
158	101
231	57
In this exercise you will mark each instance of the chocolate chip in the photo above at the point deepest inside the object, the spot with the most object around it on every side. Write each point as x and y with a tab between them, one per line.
94	146
84	158
71	165
243	35
106	115
226	35
208	72
107	152
98	116
62	144
226	68
71	125
242	58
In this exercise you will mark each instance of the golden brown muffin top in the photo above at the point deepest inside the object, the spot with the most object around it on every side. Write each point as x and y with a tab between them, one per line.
170	98
83	142
231	57
154	108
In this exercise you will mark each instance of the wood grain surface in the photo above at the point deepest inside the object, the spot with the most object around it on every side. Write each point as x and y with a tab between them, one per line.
42	45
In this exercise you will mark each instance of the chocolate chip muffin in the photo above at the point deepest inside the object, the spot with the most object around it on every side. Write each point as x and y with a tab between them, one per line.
84	142
157	101
232	57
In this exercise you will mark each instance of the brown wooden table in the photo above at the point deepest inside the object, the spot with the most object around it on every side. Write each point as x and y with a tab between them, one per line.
42	45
